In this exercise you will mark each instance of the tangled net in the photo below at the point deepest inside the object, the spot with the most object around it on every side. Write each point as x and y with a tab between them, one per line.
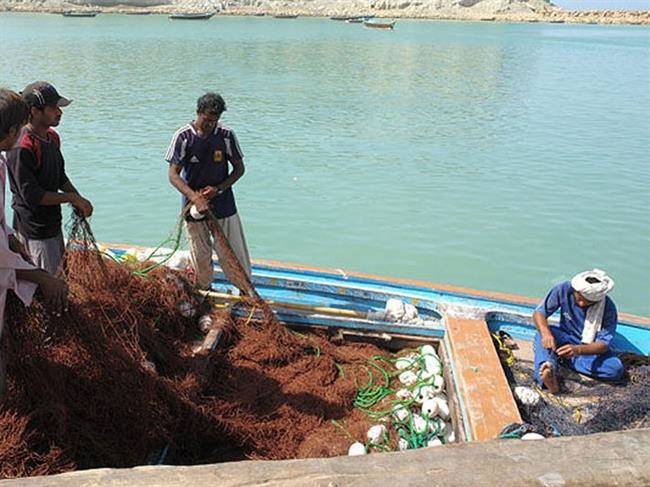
114	381
587	406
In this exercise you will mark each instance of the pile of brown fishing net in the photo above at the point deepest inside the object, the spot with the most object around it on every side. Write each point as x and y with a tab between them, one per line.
113	382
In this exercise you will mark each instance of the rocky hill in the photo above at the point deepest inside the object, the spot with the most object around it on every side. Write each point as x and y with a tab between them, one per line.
485	10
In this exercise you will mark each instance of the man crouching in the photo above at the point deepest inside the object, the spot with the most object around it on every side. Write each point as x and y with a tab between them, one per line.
588	321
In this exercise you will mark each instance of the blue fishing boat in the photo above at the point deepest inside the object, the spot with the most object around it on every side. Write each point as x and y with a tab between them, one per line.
462	322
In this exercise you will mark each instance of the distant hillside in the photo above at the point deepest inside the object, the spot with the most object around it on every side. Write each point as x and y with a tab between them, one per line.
314	6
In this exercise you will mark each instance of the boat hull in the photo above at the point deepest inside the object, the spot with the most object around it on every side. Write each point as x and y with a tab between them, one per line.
344	290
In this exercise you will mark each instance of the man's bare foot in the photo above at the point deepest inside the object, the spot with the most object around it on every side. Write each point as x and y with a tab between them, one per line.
548	378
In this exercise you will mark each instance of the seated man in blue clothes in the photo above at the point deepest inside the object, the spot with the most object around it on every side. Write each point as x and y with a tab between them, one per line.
587	325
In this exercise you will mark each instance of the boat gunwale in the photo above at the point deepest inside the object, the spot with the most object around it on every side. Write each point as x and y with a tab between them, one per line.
416	284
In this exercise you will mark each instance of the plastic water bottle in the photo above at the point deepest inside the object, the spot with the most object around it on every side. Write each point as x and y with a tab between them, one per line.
205	323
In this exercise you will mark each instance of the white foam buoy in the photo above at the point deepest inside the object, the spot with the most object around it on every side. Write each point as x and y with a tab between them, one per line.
429	408
377	433
394	309
428	350
434	442
438	383
196	214
186	309
403	363
420	425
443	407
423	393
356	449
400	413
410	313
402	444
408	378
527	396
532	436
404	394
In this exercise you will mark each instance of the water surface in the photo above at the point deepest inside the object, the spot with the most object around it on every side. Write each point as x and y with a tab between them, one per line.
494	156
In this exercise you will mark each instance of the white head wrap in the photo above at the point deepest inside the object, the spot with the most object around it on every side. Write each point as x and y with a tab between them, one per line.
596	292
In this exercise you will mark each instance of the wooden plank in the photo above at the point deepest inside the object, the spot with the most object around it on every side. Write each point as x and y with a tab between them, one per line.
488	400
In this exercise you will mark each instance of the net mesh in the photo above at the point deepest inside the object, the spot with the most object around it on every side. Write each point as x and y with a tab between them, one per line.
584	405
114	381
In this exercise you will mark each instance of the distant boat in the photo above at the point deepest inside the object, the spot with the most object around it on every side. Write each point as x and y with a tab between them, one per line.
285	16
77	13
146	12
353	19
379	25
261	14
192	16
359	20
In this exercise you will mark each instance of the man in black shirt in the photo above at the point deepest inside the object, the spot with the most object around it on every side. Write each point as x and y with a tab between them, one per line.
16	273
38	180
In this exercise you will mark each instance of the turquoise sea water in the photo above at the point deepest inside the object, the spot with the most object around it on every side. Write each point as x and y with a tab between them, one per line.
501	157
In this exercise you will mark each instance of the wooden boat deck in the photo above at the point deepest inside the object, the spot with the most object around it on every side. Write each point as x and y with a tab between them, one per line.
489	405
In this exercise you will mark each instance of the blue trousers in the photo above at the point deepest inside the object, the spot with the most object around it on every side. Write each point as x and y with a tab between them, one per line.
605	366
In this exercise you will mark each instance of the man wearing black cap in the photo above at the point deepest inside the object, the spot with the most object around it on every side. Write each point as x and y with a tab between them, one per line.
38	180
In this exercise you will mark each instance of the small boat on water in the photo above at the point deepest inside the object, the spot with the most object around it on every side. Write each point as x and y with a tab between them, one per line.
379	25
79	13
192	16
285	16
145	12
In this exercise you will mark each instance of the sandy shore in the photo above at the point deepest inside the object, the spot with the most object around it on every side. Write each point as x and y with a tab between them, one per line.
313	9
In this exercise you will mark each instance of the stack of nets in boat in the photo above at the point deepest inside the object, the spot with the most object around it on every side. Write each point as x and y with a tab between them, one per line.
113	382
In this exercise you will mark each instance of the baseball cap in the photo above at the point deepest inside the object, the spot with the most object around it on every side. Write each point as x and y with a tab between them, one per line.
42	93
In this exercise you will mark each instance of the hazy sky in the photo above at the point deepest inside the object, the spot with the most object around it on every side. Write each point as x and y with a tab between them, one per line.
603	4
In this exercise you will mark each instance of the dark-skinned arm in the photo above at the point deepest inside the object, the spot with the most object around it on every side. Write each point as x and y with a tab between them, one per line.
54	290
238	170
541	322
81	204
177	182
569	350
25	182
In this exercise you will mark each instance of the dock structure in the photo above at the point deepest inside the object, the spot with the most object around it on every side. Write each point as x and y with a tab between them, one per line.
622	460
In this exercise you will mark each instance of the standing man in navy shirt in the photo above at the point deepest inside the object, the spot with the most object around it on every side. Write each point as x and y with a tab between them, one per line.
198	158
588	321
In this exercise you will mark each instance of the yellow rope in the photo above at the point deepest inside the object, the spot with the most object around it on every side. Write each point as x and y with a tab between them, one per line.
505	354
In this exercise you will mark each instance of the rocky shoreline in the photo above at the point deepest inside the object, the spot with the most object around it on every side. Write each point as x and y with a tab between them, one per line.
538	11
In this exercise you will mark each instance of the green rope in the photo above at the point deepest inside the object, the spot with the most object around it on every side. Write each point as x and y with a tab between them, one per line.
174	239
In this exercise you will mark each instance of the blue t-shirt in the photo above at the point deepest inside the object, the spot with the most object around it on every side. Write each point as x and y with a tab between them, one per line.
572	316
204	162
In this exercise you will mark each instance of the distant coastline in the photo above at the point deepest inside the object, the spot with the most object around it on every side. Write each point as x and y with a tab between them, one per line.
313	9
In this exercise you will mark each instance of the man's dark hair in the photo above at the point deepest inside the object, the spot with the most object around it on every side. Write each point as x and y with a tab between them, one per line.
13	111
211	103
